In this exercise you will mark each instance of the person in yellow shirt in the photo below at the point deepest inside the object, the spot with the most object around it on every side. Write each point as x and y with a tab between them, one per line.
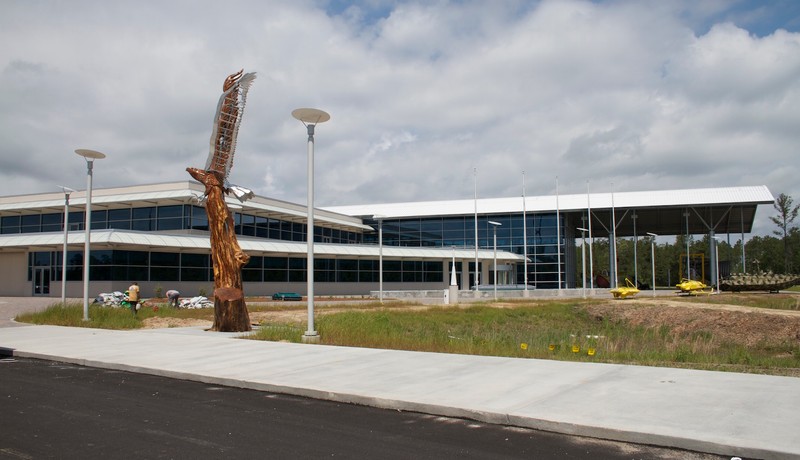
133	297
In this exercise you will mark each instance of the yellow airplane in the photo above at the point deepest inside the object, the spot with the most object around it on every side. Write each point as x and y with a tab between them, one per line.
692	287
625	291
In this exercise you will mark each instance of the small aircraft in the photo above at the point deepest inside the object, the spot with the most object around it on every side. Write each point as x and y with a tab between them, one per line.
692	287
629	290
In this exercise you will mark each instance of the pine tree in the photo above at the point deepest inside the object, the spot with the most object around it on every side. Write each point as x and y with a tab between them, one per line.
786	216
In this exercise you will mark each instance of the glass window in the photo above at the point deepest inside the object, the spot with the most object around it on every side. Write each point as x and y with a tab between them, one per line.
169	211
170	259
99	219
347	264
175	223
195	274
276	263
144	213
164	273
120	224
275	275
101	257
251	275
41	259
31	223
195	260
119	214
143	225
51	222
9	224
254	262
296	263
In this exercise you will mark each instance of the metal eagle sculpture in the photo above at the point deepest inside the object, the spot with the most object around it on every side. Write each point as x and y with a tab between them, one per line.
230	311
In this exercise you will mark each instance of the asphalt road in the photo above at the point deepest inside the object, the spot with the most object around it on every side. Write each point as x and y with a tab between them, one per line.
58	410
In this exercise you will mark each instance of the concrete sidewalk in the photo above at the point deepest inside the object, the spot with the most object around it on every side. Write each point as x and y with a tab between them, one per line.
715	412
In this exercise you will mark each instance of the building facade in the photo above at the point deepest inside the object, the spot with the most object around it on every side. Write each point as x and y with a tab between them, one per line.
157	235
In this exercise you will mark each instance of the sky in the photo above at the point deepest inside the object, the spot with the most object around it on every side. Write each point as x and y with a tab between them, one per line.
429	100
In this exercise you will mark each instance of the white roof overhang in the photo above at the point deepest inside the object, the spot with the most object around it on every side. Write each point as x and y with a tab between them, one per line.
657	211
173	194
133	240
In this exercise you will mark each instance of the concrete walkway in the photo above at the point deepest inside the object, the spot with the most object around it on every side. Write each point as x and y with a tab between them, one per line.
715	412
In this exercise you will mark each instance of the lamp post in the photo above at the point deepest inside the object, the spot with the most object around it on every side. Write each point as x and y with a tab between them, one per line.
653	260
583	258
310	118
89	156
494	228
67	192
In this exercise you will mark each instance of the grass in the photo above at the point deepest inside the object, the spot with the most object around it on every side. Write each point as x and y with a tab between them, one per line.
768	300
545	330
553	329
71	314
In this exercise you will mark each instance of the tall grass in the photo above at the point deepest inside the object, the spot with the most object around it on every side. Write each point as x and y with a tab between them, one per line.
103	317
71	314
776	301
548	330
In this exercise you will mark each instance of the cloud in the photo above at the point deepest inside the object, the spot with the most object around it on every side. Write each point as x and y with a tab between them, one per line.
644	95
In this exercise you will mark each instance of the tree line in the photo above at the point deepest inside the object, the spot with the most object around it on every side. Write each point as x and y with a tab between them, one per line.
777	253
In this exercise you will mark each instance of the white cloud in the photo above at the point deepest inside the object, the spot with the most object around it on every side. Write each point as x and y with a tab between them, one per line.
644	95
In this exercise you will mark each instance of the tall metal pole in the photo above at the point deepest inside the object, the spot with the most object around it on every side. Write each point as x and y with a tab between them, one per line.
653	260
89	156
494	227
614	238
635	253
688	259
310	118
583	259
87	239
67	192
558	237
380	260
310	332
741	224
524	234
589	212
495	263
716	253
477	272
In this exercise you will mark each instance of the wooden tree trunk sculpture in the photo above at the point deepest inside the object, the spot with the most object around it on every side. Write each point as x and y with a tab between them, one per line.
230	311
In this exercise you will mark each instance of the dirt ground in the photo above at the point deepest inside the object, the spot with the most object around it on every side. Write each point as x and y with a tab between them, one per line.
740	324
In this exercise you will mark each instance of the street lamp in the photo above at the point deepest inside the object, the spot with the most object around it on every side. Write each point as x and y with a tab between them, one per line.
310	118
89	156
653	259
494	228
67	192
583	258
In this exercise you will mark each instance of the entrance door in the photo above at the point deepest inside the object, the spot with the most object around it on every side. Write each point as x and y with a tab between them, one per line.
41	281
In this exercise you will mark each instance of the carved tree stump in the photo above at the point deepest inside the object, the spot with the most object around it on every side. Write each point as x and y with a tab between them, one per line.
230	311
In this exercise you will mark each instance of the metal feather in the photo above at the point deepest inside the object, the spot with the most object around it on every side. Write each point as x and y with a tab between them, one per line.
226	125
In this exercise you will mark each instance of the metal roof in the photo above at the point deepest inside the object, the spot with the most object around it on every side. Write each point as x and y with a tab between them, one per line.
659	212
200	243
171	194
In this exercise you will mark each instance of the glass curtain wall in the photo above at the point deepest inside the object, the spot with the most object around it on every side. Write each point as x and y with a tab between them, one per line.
542	241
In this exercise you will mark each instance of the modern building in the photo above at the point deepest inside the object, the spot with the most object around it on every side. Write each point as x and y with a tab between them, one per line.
157	235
